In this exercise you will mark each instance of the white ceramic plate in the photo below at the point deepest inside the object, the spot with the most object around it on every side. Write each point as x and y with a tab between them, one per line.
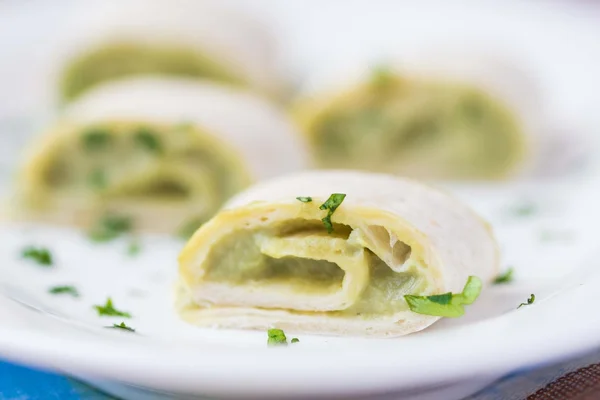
551	246
547	232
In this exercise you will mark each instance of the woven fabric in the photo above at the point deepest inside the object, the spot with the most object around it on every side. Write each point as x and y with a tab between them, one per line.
578	385
574	379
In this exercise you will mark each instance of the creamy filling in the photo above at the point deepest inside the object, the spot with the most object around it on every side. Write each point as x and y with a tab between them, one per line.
300	267
147	165
118	60
161	187
422	129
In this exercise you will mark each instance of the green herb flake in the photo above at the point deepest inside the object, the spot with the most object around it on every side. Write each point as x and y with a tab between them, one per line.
442	299
96	139
110	227
530	301
332	203
134	248
121	326
70	290
295	340
524	209
505	277
97	179
382	77
447	304
148	140
110	311
556	236
304	199
276	337
40	255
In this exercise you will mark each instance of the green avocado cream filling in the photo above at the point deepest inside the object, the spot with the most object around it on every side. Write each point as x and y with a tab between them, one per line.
299	254
144	163
426	129
120	60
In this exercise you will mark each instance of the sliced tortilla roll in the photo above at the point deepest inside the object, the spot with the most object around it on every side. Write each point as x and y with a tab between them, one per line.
163	152
440	118
182	38
336	253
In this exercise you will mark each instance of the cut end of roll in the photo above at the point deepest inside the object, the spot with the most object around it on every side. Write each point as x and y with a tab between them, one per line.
404	121
329	266
164	153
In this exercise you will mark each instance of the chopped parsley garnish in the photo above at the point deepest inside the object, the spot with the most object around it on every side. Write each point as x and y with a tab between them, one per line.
304	199
134	248
530	301
295	340
71	290
447	304
96	139
122	326
506	277
524	209
332	203
148	140
40	255
97	179
110	227
556	236
109	310
189	228
276	338
381	76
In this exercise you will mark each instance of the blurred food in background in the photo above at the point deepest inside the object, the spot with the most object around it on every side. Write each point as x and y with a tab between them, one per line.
144	132
185	38
161	152
452	116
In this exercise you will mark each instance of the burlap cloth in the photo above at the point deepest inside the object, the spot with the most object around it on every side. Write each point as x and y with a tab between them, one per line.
575	379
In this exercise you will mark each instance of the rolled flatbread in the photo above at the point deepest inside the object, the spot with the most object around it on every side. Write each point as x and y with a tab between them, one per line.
161	151
448	117
344	253
182	38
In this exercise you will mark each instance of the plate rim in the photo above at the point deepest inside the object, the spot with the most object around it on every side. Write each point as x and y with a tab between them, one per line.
183	368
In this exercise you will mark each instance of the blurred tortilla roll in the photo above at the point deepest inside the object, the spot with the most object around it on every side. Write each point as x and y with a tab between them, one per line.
442	117
162	152
336	252
185	38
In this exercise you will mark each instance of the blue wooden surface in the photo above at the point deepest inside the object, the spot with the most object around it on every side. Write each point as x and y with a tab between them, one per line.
21	383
